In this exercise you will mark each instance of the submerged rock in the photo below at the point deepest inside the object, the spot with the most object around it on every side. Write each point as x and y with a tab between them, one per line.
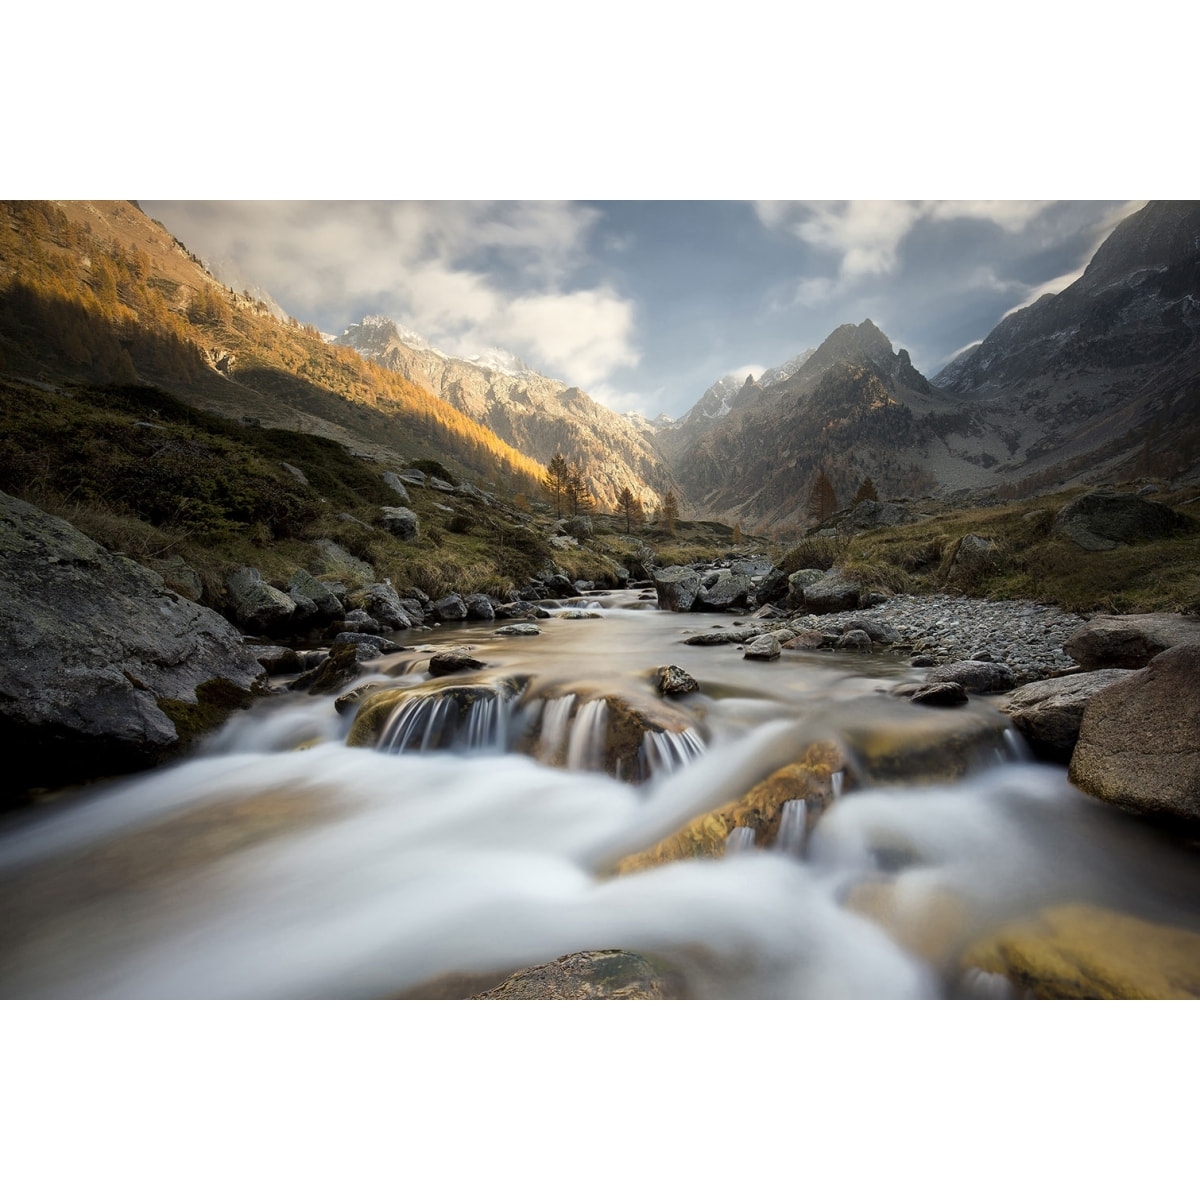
105	668
594	975
674	681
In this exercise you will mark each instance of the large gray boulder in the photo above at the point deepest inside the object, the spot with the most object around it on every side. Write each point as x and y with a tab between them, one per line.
797	581
730	590
677	588
381	602
1129	641
323	598
1103	520
1139	743
393	481
254	604
873	514
973	556
451	608
104	668
479	607
332	559
1049	711
400	522
831	593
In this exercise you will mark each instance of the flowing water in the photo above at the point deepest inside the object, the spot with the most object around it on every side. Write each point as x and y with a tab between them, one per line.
481	835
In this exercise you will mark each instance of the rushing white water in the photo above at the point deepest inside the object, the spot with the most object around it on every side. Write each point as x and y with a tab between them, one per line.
256	869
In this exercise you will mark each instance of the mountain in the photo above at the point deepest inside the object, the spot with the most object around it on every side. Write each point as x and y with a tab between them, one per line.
1104	377
97	292
539	416
854	407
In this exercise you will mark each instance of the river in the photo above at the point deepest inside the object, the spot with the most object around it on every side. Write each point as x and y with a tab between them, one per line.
277	861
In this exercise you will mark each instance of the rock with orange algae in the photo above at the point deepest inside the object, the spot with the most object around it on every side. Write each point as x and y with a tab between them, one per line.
1081	952
760	809
594	975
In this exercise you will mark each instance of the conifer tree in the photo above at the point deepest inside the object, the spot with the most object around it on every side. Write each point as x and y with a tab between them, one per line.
557	481
669	512
866	491
630	507
822	500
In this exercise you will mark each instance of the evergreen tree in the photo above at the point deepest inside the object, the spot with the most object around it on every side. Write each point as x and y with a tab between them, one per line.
630	507
557	482
822	500
866	491
669	512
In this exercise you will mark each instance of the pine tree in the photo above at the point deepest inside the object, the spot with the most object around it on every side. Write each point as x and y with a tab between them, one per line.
557	481
669	512
630	507
822	500
866	491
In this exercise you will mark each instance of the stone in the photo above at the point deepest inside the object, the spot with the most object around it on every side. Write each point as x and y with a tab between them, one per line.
371	641
479	607
452	662
254	604
358	620
394	482
381	602
723	638
1048	712
332	559
580	527
853	639
765	647
522	630
400	522
278	660
339	667
773	588
674	681
972	557
1129	641
325	601
450	608
873	514
1139	741
677	588
1103	519
831	593
180	577
594	975
797	581
1083	952
105	668
939	695
295	472
413	476
728	591
810	639
876	631
975	676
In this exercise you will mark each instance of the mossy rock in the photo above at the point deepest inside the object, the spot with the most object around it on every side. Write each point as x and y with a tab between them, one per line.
760	809
216	701
594	975
377	709
1081	952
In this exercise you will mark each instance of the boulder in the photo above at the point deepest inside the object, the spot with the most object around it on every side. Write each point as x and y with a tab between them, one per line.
972	556
674	681
974	675
180	577
332	559
773	588
809	639
400	522
254	604
1129	641
358	620
938	695
522	630
394	482
877	631
450	608
479	607
1103	520
278	660
580	527
381	602
594	975
831	593
722	637
728	591
452	662
853	639
1049	711
873	514
324	599
677	588
371	641
765	647
797	581
1139	742
105	668
413	476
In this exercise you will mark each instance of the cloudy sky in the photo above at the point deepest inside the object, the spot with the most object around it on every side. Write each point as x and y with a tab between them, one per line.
644	304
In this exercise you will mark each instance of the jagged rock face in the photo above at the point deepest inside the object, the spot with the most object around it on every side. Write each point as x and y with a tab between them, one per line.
540	416
1083	375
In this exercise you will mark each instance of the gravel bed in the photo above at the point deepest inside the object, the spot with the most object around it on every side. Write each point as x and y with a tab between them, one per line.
1027	637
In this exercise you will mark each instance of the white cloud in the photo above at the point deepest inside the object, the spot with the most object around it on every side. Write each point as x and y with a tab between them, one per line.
752	369
466	274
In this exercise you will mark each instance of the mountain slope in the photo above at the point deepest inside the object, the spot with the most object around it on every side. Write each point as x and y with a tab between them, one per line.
1103	377
97	292
540	416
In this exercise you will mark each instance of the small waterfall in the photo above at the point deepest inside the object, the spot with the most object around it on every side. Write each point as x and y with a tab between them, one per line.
1017	749
585	747
555	716
666	751
739	840
793	825
837	781
450	721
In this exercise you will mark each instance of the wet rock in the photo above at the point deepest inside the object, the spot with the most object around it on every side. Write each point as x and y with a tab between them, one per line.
810	639
254	604
351	699
382	603
939	695
376	710
278	660
450	608
773	588
853	639
674	681
922	660
358	620
1139	742
1102	520
105	668
723	637
727	591
831	593
975	676
401	523
518	608
450	662
877	631
797	581
809	778
479	607
594	975
677	588
522	630
764	648
1081	952
339	668
369	641
1130	641
580	614
1049	711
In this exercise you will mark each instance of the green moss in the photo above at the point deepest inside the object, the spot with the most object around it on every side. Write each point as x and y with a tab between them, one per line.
216	700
